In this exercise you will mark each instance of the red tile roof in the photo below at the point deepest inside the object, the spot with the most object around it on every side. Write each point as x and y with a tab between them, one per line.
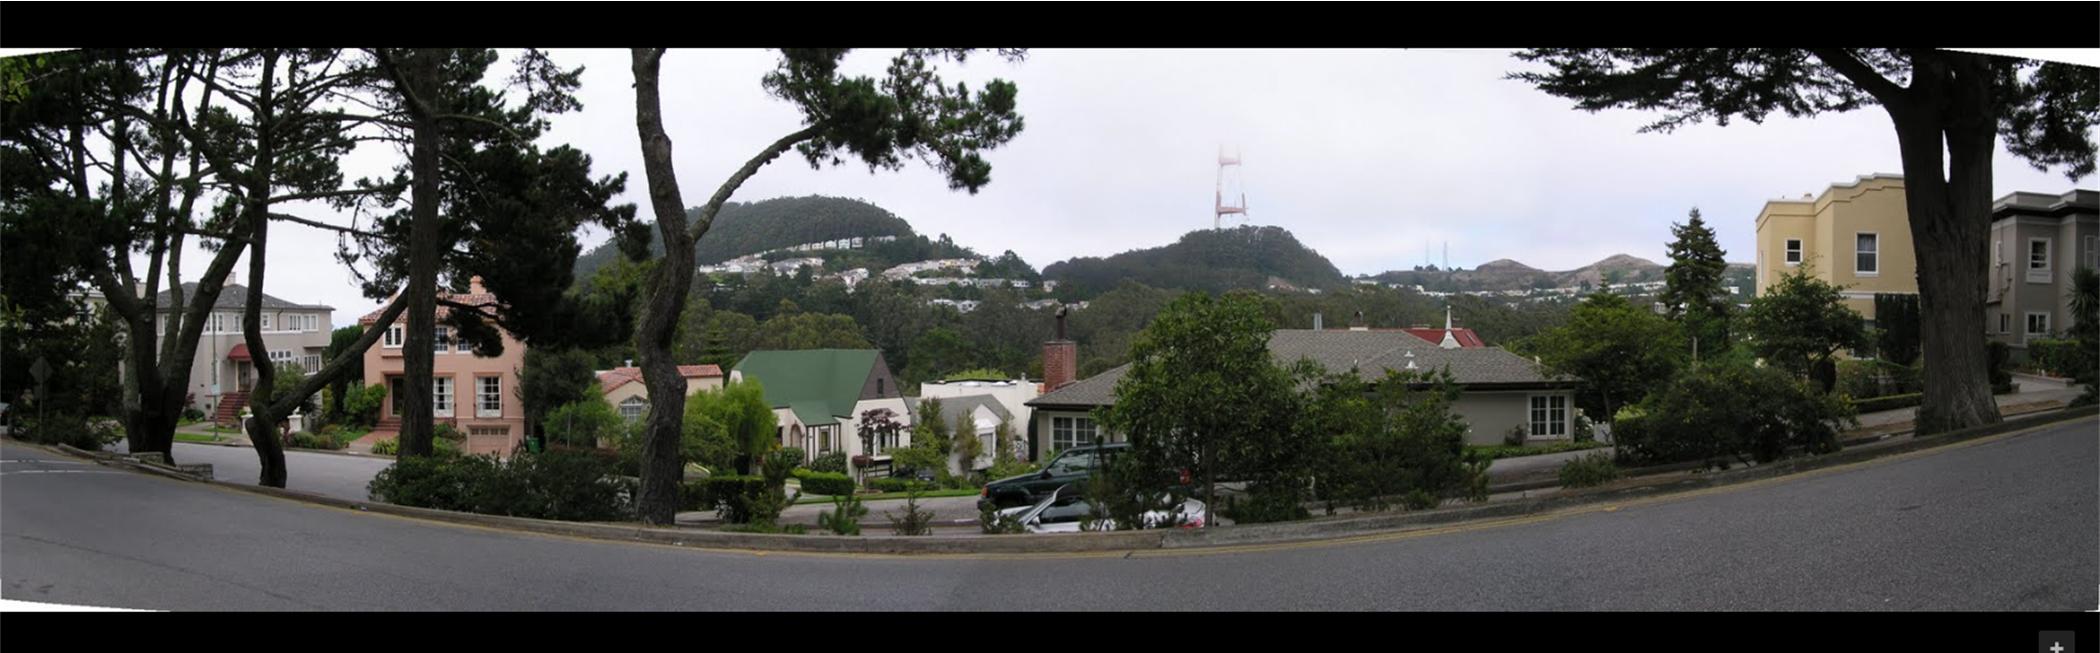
239	352
619	376
442	310
1465	337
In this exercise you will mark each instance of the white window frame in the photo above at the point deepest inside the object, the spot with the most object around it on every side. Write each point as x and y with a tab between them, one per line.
1875	253
393	337
488	399
2092	251
1541	418
1077	431
441	341
1793	251
2048	262
2028	332
441	396
313	364
639	407
265	321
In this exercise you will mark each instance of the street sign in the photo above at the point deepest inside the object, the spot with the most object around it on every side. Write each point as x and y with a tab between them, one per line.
41	369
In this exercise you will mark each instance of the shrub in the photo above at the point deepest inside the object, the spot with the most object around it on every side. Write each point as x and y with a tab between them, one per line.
914	521
585	423
894	484
1267	503
1516	436
693	496
2063	358
1590	470
1009	469
1861	379
830	462
306	440
1585	430
84	433
361	405
571	486
387	447
745	499
192	414
1419	499
1732	410
446	431
827	483
1890	402
777	466
992	523
844	517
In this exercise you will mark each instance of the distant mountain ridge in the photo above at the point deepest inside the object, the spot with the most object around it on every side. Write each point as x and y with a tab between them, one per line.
749	228
1509	274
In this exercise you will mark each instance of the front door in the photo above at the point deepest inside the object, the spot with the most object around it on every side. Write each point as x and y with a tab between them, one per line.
244	375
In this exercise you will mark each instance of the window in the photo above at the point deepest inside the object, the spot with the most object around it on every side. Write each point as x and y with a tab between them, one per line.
633	409
443	339
218	322
1068	432
2005	323
266	321
489	395
1549	415
393	336
394	392
1868	255
2092	252
2038	263
2037	326
313	364
485	431
441	396
1793	251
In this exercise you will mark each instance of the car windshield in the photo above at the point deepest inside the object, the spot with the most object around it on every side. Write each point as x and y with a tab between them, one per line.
1072	461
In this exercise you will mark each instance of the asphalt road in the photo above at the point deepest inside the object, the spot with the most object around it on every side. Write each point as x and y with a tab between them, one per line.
2008	524
337	475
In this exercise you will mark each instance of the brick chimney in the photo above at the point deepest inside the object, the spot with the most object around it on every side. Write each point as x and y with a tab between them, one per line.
474	286
1060	358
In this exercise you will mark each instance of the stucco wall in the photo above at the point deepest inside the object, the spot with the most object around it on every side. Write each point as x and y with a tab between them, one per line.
1490	416
464	368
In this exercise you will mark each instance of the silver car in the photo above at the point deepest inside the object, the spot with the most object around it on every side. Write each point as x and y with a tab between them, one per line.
1066	515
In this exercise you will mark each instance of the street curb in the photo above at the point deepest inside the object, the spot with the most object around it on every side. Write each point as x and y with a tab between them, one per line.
1278	533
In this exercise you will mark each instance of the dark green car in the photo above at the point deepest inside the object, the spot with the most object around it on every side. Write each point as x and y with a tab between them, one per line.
1070	467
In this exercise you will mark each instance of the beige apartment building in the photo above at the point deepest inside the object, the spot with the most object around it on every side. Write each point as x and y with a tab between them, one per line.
1855	236
2037	241
476	394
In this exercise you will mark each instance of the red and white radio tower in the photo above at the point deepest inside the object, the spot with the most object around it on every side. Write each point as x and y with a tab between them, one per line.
1219	221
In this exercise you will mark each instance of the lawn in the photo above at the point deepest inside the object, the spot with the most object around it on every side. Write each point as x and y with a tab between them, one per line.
929	494
196	437
1505	451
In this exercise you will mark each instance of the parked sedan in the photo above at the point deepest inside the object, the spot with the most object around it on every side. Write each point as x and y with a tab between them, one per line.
1070	468
1064	512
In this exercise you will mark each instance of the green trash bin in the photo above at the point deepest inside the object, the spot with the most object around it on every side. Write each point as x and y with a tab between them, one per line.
533	444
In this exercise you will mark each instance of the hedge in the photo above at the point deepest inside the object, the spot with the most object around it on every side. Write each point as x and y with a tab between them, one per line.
894	484
741	499
553	485
827	483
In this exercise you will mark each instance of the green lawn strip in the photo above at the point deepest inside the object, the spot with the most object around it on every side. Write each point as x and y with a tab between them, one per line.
929	494
193	437
1505	451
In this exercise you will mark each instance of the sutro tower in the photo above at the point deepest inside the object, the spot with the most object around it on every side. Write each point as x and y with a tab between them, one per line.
1219	221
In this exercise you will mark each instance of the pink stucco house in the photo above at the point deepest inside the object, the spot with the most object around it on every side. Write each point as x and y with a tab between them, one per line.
477	395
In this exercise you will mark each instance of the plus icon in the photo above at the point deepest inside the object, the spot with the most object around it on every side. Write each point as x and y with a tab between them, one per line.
2058	641
2056	647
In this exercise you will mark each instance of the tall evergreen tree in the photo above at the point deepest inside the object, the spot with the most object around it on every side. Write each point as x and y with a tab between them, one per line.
1896	327
1692	290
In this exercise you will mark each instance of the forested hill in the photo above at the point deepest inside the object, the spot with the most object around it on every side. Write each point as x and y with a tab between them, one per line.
1207	260
748	228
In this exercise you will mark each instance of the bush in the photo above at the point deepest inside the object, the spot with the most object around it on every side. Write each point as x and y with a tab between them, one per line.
84	433
1861	379
1267	503
693	496
361	405
1585	430
827	483
745	499
992	523
914	521
2062	358
192	414
777	466
1009	469
894	484
305	440
586	424
1732	410
844	517
1419	499
1890	402
1590	470
1516	436
830	462
570	486
387	447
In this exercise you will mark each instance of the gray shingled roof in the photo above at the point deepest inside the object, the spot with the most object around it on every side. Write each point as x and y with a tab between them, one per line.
232	296
953	407
1371	353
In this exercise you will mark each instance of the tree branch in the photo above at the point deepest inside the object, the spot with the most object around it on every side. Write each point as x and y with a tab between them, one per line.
714	204
321	225
1861	75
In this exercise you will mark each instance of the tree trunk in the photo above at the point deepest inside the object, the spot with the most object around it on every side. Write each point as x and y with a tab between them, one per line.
1950	228
418	361
658	499
262	429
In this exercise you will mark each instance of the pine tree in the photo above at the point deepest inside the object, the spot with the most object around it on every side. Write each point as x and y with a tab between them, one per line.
1692	288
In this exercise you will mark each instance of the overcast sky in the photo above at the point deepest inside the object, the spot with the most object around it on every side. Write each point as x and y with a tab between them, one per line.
1368	156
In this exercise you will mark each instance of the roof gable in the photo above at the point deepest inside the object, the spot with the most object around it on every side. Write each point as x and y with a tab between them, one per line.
814	380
